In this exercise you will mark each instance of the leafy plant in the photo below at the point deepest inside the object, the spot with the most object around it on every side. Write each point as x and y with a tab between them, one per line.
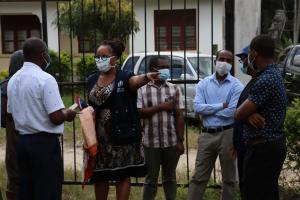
60	66
3	74
292	128
85	66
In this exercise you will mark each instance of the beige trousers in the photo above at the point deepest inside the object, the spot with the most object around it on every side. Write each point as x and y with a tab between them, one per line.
210	146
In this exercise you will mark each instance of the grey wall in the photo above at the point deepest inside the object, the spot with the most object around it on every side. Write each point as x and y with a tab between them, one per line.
246	26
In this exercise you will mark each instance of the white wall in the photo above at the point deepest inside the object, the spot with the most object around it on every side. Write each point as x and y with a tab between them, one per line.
205	23
247	26
24	8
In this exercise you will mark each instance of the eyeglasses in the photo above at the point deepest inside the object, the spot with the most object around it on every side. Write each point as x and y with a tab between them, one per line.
103	58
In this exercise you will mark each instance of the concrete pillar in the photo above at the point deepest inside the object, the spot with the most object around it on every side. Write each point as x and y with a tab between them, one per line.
246	26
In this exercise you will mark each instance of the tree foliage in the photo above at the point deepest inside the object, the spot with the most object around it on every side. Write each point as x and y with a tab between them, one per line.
98	21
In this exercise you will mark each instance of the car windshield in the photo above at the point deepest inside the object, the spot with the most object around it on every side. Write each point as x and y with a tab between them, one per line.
205	66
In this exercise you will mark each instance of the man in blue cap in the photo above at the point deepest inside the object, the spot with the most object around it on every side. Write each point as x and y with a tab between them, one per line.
238	142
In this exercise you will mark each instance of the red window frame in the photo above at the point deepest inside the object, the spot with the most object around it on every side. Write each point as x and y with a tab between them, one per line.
175	18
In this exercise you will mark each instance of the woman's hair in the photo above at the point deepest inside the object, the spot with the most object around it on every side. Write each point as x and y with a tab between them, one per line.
16	62
116	46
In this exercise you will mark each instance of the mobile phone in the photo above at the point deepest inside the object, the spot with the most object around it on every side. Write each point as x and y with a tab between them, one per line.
80	102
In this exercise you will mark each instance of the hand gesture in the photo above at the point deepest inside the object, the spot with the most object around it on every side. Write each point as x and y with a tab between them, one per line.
152	76
70	114
256	120
167	106
225	105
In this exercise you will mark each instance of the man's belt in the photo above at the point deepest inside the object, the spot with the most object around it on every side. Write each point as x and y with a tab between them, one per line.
217	129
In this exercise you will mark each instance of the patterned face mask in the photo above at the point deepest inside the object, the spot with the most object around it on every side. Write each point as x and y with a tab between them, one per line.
103	64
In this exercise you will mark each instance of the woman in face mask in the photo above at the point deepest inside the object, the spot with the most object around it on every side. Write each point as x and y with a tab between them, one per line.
112	94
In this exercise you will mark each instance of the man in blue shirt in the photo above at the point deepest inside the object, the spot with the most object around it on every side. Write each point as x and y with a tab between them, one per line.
263	133
216	99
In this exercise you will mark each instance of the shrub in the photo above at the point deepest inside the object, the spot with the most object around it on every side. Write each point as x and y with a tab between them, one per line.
85	67
3	74
292	128
60	69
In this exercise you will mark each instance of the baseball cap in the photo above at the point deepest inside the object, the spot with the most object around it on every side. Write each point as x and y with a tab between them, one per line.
244	52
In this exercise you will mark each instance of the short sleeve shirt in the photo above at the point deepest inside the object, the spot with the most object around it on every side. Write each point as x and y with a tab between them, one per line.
269	95
159	130
32	95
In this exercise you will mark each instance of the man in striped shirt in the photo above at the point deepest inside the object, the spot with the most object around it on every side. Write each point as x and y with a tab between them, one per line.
160	106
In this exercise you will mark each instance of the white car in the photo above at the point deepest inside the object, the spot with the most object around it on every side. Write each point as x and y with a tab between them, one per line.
198	66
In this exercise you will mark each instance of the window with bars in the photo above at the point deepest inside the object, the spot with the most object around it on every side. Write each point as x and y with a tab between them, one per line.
175	29
16	29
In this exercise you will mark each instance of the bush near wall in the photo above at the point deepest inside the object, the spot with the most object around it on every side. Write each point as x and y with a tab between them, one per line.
85	66
60	67
292	128
3	74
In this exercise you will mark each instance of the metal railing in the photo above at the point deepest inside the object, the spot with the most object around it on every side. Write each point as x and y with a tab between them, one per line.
73	84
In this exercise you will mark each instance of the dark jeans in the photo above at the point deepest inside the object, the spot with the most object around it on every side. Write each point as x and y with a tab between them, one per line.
262	166
167	159
40	167
240	166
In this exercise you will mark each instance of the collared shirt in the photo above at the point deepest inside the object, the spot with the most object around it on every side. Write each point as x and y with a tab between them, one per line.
32	95
210	97
159	130
269	95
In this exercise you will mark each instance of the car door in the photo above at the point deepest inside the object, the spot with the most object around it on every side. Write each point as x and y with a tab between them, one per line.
292	73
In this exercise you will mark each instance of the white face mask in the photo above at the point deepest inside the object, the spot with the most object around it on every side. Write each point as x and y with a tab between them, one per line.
46	62
103	65
223	68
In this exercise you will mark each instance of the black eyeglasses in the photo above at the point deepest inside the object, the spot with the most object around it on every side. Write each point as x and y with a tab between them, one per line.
104	57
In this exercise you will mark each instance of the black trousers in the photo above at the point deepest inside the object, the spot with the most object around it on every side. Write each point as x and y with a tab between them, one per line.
40	167
261	169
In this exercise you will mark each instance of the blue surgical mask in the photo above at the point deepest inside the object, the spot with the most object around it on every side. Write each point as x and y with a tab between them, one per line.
103	65
164	74
243	68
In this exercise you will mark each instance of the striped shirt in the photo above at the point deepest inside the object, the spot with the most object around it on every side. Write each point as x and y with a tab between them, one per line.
159	130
